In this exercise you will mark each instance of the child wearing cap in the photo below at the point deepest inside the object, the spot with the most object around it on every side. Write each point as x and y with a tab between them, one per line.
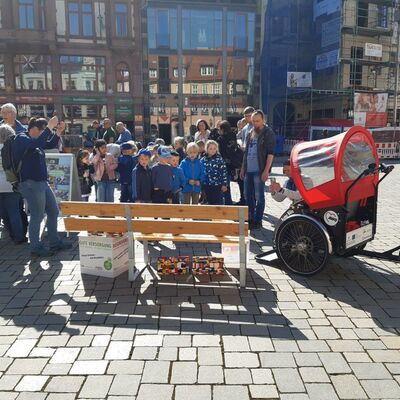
142	187
126	163
178	181
162	177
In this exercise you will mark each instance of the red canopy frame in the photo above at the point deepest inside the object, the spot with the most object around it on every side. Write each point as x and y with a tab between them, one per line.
324	169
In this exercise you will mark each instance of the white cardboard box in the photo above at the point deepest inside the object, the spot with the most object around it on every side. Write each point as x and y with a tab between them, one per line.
103	256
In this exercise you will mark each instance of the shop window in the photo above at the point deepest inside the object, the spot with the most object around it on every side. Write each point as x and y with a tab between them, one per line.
80	18
26	14
121	20
122	78
32	72
77	71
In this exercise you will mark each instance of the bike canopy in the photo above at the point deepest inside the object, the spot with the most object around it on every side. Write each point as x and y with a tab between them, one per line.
324	169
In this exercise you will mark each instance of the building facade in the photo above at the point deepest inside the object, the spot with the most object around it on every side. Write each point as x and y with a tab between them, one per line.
78	59
332	45
200	62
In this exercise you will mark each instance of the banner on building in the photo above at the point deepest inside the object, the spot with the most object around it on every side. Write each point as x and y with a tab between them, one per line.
330	32
326	7
299	79
373	50
370	109
327	60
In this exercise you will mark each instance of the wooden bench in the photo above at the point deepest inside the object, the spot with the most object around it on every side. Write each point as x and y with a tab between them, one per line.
162	222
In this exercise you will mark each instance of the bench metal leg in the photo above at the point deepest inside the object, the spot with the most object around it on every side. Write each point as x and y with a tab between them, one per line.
243	264
132	274
146	255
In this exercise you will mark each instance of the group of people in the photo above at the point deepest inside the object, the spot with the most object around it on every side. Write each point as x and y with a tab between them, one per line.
197	172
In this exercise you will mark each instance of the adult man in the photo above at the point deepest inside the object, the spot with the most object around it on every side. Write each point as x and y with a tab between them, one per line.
242	135
124	134
109	134
288	190
257	162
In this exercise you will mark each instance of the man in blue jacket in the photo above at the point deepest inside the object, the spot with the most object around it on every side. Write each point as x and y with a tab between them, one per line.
124	134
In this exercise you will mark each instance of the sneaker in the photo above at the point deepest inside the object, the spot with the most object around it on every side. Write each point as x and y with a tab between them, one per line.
42	252
60	246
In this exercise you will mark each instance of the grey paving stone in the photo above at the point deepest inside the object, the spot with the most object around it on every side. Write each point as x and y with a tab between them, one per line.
156	372
96	387
66	355
31	396
65	384
21	348
321	391
241	360
97	367
159	392
231	392
206	341
348	387
92	353
370	371
148	340
184	372
118	350
334	363
209	356
380	389
313	374
129	367
61	396
262	376
260	343
177	341
144	353
31	383
239	376
277	360
27	366
211	374
199	392
171	353
263	392
235	343
288	380
307	359
125	385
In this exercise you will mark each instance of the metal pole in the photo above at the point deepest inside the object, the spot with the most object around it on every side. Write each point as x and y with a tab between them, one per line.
180	74
396	85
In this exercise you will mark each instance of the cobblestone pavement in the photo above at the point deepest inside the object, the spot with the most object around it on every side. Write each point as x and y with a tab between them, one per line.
64	336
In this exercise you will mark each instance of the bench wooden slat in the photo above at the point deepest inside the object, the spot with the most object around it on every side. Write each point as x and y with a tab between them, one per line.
202	212
113	225
187	238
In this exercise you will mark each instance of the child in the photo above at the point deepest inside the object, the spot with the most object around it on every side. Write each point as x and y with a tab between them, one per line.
202	150
178	181
85	169
104	172
179	146
194	175
162	176
126	163
216	176
142	187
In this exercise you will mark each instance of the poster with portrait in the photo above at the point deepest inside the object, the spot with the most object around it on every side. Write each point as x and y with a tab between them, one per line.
63	176
370	109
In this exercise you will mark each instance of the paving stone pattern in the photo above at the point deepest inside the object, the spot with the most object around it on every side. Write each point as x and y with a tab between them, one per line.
64	336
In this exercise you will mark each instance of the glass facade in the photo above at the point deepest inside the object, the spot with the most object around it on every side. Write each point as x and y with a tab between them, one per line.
83	73
32	72
214	80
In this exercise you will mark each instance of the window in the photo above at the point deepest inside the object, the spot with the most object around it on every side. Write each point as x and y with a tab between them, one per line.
163	70
121	19
80	18
356	68
194	110
362	14
176	75
152	73
26	14
2	74
88	86
161	108
241	30
216	88
204	88
207	70
202	29
383	16
32	72
195	88
122	78
153	88
76	71
204	110
162	28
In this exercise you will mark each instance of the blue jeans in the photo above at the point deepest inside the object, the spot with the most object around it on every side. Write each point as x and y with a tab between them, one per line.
105	192
10	211
40	199
255	197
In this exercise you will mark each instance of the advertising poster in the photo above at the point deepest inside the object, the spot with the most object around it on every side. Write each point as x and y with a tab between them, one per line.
63	176
299	79
370	109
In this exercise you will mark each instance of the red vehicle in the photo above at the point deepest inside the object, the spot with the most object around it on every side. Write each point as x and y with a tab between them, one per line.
338	179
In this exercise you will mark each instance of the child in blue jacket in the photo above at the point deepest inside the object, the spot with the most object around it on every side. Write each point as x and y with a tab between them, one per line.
126	163
216	175
178	181
194	175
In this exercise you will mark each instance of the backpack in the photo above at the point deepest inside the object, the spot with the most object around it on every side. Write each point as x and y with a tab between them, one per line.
235	154
11	169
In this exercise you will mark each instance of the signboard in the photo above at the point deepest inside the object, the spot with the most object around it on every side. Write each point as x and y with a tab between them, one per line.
123	101
373	50
63	176
84	100
123	112
327	60
370	109
299	79
34	99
